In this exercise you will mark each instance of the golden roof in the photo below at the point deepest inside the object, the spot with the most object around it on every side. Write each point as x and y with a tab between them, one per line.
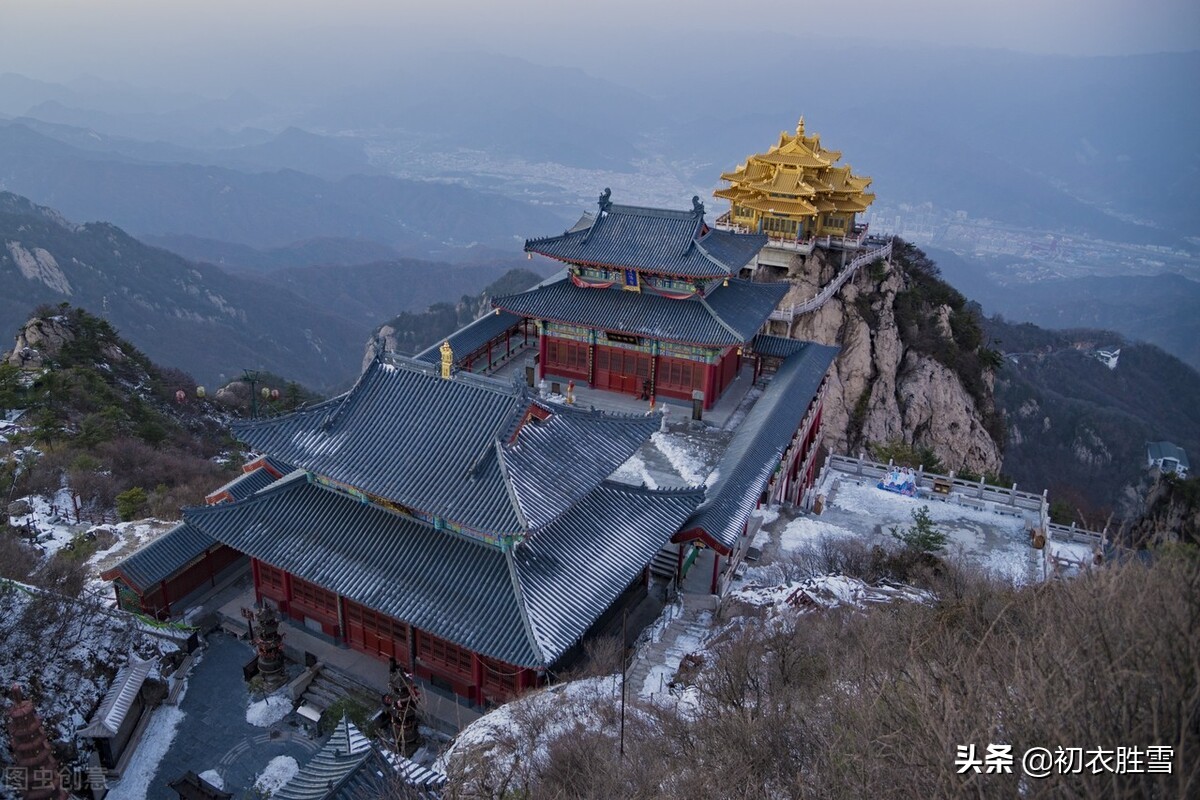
780	205
797	177
792	158
786	181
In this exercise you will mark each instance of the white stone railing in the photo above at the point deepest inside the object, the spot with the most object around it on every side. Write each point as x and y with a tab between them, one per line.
972	493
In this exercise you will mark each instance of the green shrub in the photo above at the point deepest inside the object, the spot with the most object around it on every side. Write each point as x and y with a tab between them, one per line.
922	536
131	503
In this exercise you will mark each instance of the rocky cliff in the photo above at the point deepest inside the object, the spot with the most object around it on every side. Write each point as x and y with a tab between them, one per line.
913	368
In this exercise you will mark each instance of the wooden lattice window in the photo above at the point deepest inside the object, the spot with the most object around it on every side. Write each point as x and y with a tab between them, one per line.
314	598
439	652
270	580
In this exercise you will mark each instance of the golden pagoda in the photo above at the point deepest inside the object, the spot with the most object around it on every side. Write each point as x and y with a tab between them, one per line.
795	190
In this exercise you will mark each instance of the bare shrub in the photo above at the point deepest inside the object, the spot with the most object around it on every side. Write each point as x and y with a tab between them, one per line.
849	704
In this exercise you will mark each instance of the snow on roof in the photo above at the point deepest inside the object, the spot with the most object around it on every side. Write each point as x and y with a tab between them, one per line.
107	720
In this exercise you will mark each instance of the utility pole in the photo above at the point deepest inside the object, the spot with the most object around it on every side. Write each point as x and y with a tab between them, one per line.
250	376
624	670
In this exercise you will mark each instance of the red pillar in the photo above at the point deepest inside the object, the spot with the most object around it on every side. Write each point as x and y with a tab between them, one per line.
709	386
286	605
541	372
477	677
254	573
716	570
166	600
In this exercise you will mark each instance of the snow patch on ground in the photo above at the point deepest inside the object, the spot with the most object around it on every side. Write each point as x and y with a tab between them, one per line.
49	520
502	738
867	499
689	640
266	712
805	532
991	539
828	591
635	473
69	648
276	774
684	459
767	514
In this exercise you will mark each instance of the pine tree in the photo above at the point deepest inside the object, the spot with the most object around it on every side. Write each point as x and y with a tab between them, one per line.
922	536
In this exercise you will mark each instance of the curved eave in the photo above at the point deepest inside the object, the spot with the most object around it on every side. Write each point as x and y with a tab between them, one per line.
634	333
698	534
718	272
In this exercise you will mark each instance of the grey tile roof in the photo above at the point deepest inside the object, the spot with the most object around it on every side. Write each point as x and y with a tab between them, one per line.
758	443
468	339
376	777
776	346
442	583
246	484
405	434
652	240
1158	450
729	314
106	722
525	606
162	558
338	758
572	571
554	463
442	446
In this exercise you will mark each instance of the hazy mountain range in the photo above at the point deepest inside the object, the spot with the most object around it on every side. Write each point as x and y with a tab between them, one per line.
1080	429
1159	309
307	325
259	209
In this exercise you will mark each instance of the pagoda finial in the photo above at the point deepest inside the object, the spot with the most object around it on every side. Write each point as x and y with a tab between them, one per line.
800	126
447	359
605	200
697	206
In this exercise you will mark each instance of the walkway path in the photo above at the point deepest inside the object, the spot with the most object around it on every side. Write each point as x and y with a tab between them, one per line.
789	315
657	662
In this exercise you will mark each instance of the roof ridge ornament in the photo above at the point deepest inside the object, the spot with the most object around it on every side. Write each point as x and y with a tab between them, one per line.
697	206
605	200
447	360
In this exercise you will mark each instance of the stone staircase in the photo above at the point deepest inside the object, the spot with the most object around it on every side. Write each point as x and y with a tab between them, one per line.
331	685
656	662
665	562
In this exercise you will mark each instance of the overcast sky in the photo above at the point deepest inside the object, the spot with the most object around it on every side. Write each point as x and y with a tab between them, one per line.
187	41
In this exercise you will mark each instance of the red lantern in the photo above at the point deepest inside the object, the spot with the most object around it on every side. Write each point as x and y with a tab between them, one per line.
274	394
180	396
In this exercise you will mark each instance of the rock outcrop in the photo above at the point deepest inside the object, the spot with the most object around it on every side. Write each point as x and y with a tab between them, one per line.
41	339
885	390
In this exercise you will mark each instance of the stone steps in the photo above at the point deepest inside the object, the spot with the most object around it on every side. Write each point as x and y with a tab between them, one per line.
665	562
331	685
681	636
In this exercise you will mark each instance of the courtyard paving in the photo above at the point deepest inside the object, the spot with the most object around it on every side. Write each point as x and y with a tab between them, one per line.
214	733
